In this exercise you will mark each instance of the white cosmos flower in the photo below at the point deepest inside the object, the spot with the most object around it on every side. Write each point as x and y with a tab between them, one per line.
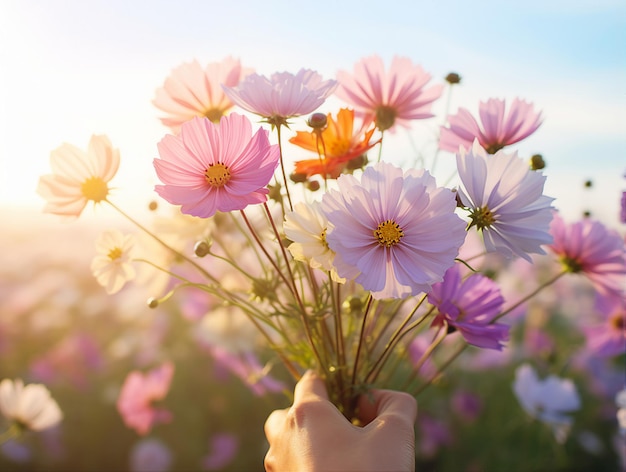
29	406
306	226
506	202
112	266
548	400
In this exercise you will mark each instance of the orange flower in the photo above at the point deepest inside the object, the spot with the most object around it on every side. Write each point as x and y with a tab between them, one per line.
338	145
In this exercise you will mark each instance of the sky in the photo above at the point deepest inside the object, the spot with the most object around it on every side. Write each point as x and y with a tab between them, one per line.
73	68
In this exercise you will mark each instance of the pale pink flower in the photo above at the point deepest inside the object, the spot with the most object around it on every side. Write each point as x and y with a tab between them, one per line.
470	306
281	96
394	232
78	176
210	168
29	406
506	202
590	248
139	392
112	266
497	130
388	97
192	90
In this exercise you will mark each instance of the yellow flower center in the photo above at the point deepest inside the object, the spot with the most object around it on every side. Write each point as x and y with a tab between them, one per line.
571	265
115	253
217	175
482	218
323	238
214	114
94	188
388	233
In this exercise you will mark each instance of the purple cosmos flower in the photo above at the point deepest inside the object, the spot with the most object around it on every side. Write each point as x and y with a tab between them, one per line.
506	202
589	247
470	307
393	232
608	338
497	129
283	95
388	97
210	168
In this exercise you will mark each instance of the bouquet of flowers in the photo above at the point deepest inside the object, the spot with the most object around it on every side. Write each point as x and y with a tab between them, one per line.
373	274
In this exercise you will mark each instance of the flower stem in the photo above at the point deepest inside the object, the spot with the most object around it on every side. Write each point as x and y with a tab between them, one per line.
360	345
530	295
282	166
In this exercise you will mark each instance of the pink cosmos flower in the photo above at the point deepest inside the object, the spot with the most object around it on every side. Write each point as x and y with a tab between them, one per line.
497	129
393	232
608	338
210	168
281	96
388	97
590	248
470	306
506	202
192	90
139	392
78	176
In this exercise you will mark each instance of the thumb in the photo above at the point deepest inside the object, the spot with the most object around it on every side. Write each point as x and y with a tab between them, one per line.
387	404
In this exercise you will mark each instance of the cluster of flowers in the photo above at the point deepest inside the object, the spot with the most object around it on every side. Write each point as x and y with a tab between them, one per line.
342	283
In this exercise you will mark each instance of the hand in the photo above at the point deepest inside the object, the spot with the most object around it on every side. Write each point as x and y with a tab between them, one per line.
313	435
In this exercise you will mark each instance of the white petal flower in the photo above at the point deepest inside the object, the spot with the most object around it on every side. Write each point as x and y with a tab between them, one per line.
29	406
306	226
506	201
549	400
112	266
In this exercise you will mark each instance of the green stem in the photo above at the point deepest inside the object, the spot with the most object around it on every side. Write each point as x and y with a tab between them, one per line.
282	166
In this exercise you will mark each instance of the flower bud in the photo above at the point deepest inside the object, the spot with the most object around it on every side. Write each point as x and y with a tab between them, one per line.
588	184
537	162
201	249
153	205
317	121
453	78
153	302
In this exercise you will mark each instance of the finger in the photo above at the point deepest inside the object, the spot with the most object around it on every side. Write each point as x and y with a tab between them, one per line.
310	385
387	403
274	424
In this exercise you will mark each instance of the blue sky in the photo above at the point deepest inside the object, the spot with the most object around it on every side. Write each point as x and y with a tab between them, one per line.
73	68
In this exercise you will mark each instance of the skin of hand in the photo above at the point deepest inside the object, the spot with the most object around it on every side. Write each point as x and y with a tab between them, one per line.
313	435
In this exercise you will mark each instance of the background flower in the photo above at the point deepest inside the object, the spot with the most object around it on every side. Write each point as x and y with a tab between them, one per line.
192	90
31	406
497	130
281	96
388	98
78	176
112	267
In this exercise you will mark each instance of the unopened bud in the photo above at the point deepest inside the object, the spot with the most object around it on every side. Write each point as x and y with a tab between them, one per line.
588	184
317	121
201	249
537	162
153	302
453	78
153	205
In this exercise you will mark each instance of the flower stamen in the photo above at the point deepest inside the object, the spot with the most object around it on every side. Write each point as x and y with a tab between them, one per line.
388	233
94	188
482	218
217	174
